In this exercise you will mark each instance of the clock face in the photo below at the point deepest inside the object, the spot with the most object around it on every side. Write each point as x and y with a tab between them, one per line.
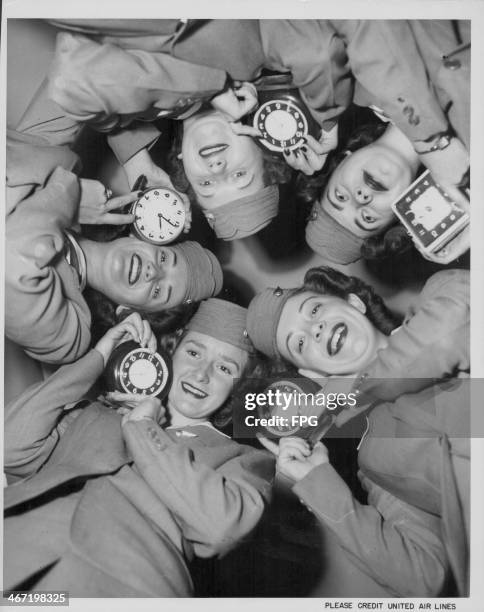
160	216
143	372
285	422
282	124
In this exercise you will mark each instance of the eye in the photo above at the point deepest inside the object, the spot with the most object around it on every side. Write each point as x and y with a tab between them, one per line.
192	353
315	310
162	256
225	369
205	183
367	216
240	173
340	196
156	292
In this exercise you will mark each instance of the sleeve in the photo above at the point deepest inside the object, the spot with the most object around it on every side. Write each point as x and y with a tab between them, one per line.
137	136
214	507
390	72
31	431
433	342
108	86
45	312
397	544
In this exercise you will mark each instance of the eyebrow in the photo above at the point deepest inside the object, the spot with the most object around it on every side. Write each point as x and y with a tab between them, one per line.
311	297
333	203
168	296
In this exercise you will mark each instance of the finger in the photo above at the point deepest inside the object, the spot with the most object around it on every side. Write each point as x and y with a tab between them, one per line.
118	396
291	454
244	130
108	193
117	219
151	343
293	159
315	145
268	444
295	444
122	200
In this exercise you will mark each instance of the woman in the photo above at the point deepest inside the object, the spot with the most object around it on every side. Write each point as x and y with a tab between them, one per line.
117	508
352	215
48	266
414	457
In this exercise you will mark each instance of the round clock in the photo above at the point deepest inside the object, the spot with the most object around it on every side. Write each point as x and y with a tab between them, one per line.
133	369
282	123
160	215
292	405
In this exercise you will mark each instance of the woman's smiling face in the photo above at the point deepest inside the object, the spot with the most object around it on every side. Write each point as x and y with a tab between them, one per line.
362	188
220	165
204	370
143	275
324	334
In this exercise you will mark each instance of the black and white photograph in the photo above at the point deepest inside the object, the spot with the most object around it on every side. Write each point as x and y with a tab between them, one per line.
237	304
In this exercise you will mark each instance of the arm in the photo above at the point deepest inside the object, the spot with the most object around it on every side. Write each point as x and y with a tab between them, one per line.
390	72
433	343
31	431
45	312
215	507
397	544
108	86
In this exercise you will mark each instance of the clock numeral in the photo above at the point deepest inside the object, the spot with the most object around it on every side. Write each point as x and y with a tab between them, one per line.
178	212
157	193
142	227
162	237
138	217
174	202
166	194
147	197
171	233
150	235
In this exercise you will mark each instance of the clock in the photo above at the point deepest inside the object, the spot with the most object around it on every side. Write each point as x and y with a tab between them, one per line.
134	369
159	215
296	413
283	119
429	215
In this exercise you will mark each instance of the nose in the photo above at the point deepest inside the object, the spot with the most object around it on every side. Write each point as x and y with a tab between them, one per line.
152	272
216	164
317	331
202	373
363	194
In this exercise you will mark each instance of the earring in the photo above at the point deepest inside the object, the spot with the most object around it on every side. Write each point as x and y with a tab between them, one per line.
346	153
179	156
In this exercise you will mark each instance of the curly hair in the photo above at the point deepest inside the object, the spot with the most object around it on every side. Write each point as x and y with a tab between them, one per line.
276	171
326	280
392	240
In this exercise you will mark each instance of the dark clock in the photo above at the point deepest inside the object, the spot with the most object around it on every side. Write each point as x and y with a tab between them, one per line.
283	119
134	369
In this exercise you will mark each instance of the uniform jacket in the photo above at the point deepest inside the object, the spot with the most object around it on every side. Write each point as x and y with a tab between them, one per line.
114	512
413	459
108	85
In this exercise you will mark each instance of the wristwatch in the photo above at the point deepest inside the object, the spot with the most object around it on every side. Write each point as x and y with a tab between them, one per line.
437	142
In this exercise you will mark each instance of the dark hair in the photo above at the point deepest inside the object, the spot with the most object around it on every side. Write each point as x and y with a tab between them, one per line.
103	311
276	171
391	241
326	280
256	367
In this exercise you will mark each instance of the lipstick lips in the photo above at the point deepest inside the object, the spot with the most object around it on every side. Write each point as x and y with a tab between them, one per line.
337	339
212	150
195	391
134	269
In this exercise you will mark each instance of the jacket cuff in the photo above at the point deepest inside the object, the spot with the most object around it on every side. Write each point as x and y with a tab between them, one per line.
325	494
129	141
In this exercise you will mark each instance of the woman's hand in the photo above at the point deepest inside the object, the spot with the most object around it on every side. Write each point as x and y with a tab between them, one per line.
142	164
138	407
237	102
96	205
132	328
311	157
295	458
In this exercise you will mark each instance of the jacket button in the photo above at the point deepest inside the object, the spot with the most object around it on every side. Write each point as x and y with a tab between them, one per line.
452	64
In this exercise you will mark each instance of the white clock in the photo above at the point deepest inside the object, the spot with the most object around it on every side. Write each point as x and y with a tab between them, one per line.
159	215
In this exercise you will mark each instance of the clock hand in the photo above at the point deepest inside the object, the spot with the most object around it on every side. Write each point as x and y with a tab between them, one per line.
177	224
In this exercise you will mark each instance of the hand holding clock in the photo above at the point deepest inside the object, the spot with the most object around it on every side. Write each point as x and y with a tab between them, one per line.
132	327
96	205
311	156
